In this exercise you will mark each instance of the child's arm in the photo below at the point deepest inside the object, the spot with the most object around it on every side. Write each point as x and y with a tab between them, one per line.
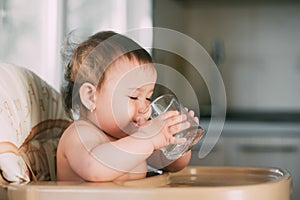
110	160
159	161
180	163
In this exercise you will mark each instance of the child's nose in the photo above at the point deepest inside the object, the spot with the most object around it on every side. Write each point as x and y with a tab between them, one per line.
144	112
144	106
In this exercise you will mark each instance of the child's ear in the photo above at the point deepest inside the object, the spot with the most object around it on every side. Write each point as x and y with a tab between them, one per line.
87	96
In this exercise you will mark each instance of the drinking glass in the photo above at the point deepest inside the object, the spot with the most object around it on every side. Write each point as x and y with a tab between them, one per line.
192	134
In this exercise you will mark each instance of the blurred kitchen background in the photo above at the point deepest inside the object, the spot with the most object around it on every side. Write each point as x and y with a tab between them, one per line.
255	45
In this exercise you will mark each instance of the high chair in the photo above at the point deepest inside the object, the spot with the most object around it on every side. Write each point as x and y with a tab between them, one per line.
32	120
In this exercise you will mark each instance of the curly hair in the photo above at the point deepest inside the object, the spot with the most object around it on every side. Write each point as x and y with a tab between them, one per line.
91	58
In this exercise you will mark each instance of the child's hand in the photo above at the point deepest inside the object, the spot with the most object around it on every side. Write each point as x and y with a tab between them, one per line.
162	129
192	114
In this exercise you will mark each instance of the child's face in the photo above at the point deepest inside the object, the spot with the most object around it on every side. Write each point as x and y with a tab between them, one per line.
122	102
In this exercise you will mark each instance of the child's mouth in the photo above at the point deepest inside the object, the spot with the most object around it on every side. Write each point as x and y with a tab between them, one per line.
135	123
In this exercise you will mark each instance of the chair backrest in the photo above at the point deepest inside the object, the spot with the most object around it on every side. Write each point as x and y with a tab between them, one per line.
30	110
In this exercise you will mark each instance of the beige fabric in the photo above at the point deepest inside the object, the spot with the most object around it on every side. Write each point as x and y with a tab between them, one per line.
42	158
31	115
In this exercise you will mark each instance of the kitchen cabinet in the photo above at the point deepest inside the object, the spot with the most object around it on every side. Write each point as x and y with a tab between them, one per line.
262	144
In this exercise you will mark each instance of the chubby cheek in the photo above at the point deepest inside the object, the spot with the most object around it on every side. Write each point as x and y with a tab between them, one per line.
131	111
148	113
123	113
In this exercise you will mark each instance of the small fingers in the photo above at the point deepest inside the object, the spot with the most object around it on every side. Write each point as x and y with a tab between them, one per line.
186	109
178	140
179	127
169	114
174	140
176	119
192	114
196	119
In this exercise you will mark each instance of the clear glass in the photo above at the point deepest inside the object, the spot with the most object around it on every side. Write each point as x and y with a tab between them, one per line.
193	134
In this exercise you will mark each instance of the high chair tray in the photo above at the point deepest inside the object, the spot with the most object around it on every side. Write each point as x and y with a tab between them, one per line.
212	183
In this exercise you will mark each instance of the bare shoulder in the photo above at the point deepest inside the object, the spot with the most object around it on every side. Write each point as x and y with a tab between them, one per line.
83	133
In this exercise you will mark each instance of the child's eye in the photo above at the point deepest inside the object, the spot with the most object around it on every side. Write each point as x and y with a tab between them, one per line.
149	99
133	98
